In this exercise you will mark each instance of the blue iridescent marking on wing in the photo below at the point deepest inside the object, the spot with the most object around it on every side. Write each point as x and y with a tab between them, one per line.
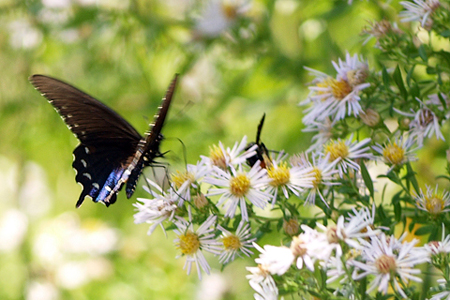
110	183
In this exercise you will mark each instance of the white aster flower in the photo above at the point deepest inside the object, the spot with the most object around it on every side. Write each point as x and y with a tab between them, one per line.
303	247
190	179
192	243
237	243
225	158
286	178
265	290
387	259
155	211
338	97
419	11
323	175
434	248
237	186
397	152
433	202
350	232
276	260
219	15
259	274
425	124
346	152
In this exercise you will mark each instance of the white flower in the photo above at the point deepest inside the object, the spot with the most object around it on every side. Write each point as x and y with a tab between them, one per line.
225	158
303	247
219	15
265	290
425	124
350	232
396	152
323	175
185	181
288	178
387	259
345	152
419	11
234	244
157	210
237	186
191	243
276	260
433	202
437	247
337	98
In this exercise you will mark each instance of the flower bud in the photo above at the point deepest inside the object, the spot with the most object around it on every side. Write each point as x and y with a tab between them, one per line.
370	117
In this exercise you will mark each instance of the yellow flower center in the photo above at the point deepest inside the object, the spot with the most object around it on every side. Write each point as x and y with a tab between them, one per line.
179	178
386	264
434	204
340	89
189	243
239	185
280	175
394	153
231	242
317	177
218	158
336	149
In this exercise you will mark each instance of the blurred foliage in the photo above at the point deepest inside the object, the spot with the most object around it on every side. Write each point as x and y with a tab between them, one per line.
125	53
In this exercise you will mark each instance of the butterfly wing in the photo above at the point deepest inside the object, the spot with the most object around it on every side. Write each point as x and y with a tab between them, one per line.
107	141
148	148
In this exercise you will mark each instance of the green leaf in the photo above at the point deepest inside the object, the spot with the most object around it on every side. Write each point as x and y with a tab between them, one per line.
426	229
385	76
367	179
445	33
397	76
412	178
423	53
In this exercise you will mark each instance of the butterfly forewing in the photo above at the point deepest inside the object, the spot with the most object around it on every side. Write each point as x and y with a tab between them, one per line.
149	146
89	119
110	148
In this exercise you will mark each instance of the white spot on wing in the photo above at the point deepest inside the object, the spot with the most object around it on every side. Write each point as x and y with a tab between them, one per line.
84	163
87	175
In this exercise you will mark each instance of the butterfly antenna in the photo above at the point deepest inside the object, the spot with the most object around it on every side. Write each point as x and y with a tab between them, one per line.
260	126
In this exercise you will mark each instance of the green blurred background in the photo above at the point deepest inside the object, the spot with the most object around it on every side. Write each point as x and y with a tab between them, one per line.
125	53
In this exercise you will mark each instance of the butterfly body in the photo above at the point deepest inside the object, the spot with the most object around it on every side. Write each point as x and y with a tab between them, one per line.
111	152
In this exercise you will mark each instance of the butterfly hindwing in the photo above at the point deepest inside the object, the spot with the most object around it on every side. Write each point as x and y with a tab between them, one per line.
111	151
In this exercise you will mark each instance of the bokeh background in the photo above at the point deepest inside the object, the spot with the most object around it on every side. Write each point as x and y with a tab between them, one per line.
125	52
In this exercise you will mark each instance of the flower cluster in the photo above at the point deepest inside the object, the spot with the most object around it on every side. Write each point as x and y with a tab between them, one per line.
334	219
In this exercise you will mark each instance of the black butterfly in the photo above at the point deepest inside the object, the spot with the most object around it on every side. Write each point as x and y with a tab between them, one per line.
111	152
262	154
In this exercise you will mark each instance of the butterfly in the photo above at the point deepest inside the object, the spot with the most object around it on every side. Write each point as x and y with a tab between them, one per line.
111	152
262	154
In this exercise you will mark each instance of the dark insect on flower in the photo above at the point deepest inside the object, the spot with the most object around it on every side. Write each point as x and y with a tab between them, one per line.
111	152
262	154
